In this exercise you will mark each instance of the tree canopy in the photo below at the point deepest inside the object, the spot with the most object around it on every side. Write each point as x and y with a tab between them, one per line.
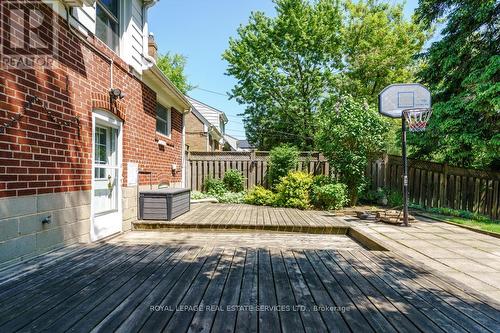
462	70
283	66
172	65
286	66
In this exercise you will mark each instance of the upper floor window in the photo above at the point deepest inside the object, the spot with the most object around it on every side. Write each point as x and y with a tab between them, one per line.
163	120
107	23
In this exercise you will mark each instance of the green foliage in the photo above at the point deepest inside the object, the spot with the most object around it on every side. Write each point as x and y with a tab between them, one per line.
394	199
321	180
460	213
293	190
379	45
462	70
233	181
283	66
260	196
172	65
231	197
214	187
287	65
282	159
196	195
373	196
350	134
330	196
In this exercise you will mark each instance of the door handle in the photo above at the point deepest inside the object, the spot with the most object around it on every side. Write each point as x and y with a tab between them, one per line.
110	183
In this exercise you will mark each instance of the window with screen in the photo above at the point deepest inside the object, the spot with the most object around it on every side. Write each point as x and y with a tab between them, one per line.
162	120
107	23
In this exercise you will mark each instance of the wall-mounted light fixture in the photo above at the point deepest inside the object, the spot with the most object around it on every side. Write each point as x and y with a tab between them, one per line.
116	93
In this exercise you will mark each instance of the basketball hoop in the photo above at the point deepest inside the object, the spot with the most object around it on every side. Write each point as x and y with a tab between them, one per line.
412	103
417	119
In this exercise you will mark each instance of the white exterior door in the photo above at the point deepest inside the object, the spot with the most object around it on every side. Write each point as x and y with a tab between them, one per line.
106	176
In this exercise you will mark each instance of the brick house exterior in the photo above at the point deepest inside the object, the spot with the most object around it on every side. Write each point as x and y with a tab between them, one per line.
47	151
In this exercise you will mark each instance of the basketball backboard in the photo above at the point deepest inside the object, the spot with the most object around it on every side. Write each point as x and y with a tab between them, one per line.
396	98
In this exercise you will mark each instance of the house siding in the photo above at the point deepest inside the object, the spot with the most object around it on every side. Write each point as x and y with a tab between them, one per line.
45	168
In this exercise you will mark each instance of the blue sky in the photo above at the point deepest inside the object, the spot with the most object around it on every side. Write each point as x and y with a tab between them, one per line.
200	30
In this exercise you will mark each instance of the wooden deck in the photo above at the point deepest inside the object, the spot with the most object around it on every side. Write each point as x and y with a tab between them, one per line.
186	287
240	217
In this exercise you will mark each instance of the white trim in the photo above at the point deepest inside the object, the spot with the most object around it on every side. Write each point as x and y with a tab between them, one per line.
107	119
183	152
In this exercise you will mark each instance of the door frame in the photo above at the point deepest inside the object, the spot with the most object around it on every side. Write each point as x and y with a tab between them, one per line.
105	118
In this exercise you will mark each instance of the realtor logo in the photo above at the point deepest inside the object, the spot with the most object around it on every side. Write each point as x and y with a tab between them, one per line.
29	34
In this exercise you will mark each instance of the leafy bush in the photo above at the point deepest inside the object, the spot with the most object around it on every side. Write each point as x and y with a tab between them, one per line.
330	196
260	196
395	199
350	137
231	197
321	180
373	196
233	180
282	159
293	190
214	187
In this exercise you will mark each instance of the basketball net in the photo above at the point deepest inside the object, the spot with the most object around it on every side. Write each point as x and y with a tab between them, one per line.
417	119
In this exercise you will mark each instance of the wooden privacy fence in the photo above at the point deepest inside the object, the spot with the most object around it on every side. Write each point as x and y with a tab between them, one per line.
439	185
253	165
430	184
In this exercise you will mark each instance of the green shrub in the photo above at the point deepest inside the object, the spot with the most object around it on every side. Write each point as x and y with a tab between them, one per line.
282	159
395	199
214	187
373	196
293	190
330	196
231	197
260	196
321	180
233	180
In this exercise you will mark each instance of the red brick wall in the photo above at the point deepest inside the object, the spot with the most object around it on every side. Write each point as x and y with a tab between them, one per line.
38	155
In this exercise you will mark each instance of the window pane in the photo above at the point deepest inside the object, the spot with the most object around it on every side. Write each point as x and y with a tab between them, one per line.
107	29
162	120
111	5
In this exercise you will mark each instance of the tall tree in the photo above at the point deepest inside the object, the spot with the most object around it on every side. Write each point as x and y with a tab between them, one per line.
379	47
284	66
463	71
173	65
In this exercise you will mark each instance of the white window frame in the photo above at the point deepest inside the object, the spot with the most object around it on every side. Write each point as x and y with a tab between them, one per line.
168	120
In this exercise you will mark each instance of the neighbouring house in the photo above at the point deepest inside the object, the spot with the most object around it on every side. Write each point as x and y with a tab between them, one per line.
244	145
83	125
231	143
205	127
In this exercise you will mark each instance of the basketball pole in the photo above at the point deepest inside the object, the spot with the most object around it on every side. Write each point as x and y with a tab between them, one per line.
405	170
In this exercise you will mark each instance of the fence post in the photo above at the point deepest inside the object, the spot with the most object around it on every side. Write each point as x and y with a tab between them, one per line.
443	184
253	170
385	169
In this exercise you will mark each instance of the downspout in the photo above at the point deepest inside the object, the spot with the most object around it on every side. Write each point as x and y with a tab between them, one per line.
86	42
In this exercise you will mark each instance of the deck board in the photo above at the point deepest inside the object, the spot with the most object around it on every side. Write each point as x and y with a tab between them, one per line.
126	287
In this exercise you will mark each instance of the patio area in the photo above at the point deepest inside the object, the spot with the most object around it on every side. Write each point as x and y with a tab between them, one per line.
201	281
